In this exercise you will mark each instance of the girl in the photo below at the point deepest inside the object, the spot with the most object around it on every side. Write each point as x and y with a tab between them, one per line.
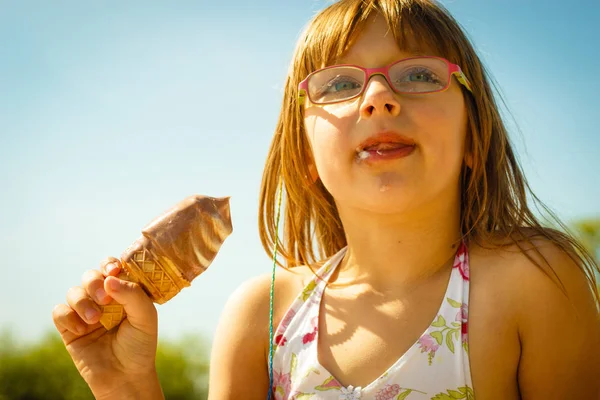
415	268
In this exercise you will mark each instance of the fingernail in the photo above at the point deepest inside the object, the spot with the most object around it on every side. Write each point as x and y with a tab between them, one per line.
110	267
81	329
100	295
90	314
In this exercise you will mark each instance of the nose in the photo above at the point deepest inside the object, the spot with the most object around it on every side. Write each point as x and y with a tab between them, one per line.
379	99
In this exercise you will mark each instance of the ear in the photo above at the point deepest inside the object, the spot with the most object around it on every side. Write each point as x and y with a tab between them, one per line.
314	174
469	160
468	151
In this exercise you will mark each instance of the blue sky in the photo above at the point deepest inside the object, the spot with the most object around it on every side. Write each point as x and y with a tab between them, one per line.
111	112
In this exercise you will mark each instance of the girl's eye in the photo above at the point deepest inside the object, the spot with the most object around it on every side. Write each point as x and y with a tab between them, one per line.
344	85
419	75
337	88
339	84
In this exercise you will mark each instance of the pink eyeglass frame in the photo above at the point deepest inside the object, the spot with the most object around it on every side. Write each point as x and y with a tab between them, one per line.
453	69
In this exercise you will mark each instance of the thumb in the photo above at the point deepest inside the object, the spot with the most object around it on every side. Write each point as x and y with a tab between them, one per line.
139	308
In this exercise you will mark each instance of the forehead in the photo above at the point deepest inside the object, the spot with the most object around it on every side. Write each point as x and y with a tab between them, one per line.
352	32
374	43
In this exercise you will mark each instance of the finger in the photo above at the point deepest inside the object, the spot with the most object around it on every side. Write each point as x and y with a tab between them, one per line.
66	320
93	283
139	308
70	326
110	266
83	305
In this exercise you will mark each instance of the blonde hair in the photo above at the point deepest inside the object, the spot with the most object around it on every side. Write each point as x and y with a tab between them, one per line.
494	190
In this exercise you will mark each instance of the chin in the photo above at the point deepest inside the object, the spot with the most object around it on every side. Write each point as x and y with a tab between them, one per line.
385	202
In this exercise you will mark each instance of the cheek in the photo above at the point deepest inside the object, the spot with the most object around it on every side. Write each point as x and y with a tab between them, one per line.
329	140
442	128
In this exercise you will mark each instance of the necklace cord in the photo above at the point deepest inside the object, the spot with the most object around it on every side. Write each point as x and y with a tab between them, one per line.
272	291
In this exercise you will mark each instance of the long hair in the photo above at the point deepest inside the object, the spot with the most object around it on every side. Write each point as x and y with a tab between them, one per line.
493	189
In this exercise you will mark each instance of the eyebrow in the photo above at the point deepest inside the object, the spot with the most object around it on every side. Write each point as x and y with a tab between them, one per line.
389	61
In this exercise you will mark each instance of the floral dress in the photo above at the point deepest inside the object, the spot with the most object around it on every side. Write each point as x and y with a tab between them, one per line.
436	367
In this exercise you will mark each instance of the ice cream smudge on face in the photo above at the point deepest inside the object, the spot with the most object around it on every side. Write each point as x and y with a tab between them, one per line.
363	155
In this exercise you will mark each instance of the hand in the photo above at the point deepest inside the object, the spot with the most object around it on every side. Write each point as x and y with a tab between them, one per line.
115	360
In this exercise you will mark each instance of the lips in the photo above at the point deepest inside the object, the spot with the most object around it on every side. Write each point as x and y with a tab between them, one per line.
387	140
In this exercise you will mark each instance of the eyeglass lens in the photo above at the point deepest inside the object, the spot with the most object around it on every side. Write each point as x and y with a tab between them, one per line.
419	75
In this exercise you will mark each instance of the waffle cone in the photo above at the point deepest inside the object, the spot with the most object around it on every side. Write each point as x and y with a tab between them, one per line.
158	276
174	249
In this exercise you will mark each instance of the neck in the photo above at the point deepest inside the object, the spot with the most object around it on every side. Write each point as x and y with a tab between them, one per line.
389	252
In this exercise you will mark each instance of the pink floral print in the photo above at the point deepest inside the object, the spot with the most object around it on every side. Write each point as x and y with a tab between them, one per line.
462	314
281	385
461	262
280	340
428	345
388	392
463	318
394	392
309	337
298	375
289	316
312	335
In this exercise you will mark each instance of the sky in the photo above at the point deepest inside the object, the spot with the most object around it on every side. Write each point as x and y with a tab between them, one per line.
111	112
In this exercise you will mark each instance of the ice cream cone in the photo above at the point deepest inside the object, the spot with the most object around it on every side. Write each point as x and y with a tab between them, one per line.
174	249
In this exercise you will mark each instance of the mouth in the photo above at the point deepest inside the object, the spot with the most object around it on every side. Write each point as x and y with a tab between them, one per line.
385	145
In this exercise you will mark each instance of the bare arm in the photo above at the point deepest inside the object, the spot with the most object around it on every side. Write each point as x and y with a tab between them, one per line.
560	335
145	387
238	368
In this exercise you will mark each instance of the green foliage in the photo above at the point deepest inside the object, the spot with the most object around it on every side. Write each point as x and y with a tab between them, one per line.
182	368
44	370
588	231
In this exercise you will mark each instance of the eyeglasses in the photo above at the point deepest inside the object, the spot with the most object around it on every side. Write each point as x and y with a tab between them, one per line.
416	75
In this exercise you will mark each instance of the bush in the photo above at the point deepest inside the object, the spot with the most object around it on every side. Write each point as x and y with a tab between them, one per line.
44	370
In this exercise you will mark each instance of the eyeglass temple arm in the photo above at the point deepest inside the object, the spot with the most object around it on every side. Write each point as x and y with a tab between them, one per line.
463	79
301	96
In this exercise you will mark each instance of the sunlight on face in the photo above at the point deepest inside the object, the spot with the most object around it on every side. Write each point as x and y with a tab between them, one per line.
435	122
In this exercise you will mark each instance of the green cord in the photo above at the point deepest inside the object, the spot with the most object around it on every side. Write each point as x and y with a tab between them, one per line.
271	294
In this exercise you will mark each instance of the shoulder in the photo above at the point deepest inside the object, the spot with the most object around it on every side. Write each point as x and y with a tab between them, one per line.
536	270
254	294
552	304
240	346
247	309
